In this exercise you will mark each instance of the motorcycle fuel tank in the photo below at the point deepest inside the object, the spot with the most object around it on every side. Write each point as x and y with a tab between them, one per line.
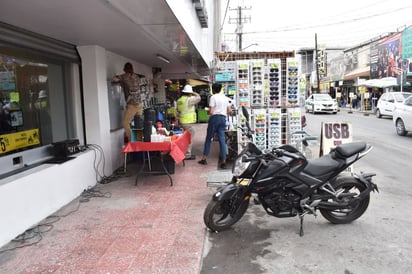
267	173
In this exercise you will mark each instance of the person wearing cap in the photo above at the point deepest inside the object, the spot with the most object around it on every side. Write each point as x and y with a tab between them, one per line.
187	114
131	83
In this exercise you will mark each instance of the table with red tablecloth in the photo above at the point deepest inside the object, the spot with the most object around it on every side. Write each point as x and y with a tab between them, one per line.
175	148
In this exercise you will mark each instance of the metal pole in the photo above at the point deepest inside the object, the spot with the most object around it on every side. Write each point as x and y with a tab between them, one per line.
402	76
317	63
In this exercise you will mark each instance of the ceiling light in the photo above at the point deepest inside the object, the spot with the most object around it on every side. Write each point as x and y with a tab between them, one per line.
164	59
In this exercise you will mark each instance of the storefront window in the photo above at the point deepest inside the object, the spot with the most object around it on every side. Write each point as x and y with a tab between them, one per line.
33	104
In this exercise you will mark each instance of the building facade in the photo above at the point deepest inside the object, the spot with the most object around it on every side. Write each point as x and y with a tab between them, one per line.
55	76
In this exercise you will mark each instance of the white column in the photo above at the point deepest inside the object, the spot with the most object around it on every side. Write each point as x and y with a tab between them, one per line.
97	120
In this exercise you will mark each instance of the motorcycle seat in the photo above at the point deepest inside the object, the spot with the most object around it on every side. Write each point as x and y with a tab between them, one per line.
321	166
344	151
326	164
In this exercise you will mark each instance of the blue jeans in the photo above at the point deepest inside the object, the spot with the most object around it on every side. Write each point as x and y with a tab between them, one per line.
217	124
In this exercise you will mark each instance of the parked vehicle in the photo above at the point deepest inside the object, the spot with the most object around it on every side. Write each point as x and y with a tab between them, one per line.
388	101
287	184
402	117
321	102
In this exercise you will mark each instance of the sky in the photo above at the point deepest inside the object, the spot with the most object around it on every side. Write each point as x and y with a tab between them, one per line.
291	25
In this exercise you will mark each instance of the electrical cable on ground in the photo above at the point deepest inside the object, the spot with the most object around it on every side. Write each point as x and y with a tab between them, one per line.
34	235
99	159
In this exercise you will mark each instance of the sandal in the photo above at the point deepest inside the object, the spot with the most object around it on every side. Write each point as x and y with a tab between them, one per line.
203	162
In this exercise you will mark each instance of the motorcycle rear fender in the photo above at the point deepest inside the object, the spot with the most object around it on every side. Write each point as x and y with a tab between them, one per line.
226	192
366	179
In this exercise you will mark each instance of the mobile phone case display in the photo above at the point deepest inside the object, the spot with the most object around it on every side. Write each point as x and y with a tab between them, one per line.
256	82
294	124
292	83
275	82
243	91
274	128
260	126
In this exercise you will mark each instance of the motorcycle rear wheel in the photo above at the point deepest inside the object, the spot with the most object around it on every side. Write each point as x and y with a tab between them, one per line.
344	216
221	215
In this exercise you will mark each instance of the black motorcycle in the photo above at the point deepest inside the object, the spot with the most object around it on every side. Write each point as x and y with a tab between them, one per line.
287	184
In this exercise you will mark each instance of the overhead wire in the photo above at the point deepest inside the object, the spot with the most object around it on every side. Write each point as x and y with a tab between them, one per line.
365	30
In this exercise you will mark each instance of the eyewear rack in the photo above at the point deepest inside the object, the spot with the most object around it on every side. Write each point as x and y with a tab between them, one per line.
269	89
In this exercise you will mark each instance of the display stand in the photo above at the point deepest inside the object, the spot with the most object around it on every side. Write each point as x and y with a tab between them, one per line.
269	88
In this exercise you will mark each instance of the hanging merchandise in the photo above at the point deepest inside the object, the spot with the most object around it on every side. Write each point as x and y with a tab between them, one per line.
294	126
260	127
243	98
268	87
256	81
292	83
242	140
275	81
274	128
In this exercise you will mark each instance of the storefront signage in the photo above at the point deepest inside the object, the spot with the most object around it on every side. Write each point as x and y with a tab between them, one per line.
333	134
17	140
224	77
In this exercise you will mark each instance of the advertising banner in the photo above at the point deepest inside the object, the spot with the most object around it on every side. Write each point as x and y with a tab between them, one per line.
407	51
385	57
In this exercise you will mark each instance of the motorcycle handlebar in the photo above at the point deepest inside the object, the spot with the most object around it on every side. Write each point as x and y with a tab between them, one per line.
282	152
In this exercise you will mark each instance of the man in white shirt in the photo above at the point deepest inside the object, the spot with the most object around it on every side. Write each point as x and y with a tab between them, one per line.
219	109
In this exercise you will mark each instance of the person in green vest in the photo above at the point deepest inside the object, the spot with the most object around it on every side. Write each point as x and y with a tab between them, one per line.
186	108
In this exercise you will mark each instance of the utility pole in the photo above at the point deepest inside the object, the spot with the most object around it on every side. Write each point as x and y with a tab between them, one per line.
239	21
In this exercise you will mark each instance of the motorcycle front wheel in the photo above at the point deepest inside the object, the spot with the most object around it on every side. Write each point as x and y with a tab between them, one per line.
349	185
221	215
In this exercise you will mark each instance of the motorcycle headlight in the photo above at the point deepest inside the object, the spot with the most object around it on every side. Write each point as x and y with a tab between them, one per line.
240	166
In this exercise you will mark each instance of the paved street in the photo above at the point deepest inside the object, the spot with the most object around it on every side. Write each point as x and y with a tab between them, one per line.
378	242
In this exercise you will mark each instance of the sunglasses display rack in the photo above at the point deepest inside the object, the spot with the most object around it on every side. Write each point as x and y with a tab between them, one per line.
259	123
292	83
269	89
256	83
274	134
294	124
243	88
274	82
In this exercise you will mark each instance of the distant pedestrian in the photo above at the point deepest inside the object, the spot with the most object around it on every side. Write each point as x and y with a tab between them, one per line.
219	109
354	101
342	102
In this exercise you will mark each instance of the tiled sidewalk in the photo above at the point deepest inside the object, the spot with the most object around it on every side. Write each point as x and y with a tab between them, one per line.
123	228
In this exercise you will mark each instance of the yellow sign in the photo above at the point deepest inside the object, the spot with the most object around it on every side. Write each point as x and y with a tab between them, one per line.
13	141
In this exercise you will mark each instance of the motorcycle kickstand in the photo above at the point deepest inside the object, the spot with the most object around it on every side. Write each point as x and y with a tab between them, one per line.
301	233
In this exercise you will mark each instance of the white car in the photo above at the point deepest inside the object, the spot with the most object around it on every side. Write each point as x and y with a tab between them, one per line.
402	117
321	102
388	101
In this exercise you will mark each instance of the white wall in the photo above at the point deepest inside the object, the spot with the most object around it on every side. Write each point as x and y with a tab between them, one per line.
31	196
185	13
